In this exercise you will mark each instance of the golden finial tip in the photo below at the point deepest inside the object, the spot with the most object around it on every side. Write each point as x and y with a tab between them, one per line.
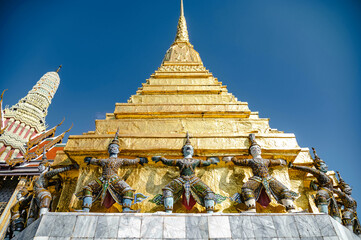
182	32
182	9
59	68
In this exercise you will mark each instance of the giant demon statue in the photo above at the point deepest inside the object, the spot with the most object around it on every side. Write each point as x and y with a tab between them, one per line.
262	186
187	185
35	202
325	200
19	212
42	195
111	188
349	206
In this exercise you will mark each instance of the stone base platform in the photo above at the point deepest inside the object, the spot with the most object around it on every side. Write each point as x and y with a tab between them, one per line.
102	226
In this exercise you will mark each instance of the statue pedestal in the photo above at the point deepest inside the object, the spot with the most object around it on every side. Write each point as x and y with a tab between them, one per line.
65	225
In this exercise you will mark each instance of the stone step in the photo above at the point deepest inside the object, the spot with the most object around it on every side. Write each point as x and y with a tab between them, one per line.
222	98
181	89
238	110
195	126
185	81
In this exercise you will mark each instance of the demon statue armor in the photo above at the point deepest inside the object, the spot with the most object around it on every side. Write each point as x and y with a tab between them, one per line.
187	186
262	186
325	200
349	214
110	187
19	211
41	182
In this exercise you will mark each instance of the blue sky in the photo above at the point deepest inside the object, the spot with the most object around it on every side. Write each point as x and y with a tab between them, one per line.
296	62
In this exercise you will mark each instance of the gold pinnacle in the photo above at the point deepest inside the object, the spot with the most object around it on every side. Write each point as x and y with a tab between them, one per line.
182	32
59	68
182	10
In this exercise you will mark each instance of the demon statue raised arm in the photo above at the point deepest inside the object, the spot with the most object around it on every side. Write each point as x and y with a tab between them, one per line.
42	195
187	184
262	186
324	186
349	214
110	188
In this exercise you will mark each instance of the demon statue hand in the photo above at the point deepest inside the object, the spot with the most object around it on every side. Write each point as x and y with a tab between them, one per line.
19	211
42	195
110	188
349	215
324	186
187	185
262	186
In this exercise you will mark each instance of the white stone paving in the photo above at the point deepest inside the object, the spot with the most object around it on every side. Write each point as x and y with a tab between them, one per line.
129	227
174	227
85	226
219	227
152	227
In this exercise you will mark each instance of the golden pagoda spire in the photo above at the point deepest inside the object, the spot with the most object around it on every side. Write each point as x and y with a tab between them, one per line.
182	32
182	51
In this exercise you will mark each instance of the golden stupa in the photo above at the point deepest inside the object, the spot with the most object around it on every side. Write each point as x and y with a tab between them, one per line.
180	96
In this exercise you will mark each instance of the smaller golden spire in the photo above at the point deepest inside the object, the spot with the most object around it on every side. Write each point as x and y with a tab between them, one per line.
59	68
182	32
